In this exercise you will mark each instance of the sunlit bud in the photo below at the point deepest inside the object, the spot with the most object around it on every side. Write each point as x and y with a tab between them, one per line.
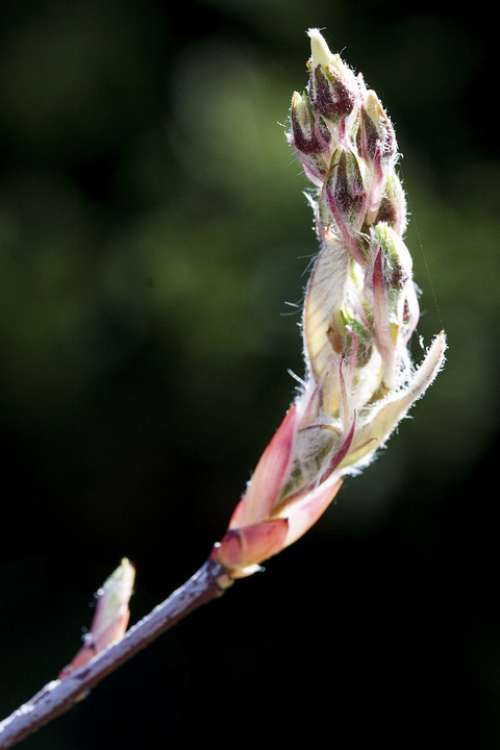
393	294
392	208
360	309
333	86
331	96
345	197
375	137
344	184
367	136
310	136
396	257
307	137
110	618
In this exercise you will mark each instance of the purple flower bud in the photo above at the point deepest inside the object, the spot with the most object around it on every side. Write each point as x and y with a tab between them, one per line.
392	208
329	94
307	138
394	297
375	138
345	198
311	137
367	138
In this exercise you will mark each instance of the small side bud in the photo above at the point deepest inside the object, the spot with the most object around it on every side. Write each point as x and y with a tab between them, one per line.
396	257
345	193
375	138
395	301
331	96
310	136
367	137
392	208
111	616
305	136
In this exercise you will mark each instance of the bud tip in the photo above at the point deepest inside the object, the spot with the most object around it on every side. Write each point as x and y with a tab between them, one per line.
320	52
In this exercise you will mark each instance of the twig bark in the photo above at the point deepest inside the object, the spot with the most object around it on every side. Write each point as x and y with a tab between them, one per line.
59	696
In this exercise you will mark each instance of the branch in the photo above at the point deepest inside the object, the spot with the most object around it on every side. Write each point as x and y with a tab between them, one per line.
59	696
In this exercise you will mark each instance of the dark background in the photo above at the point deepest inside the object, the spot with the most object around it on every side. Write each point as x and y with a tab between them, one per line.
151	229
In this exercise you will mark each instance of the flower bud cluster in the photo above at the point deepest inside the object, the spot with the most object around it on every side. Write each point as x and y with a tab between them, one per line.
361	305
360	310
